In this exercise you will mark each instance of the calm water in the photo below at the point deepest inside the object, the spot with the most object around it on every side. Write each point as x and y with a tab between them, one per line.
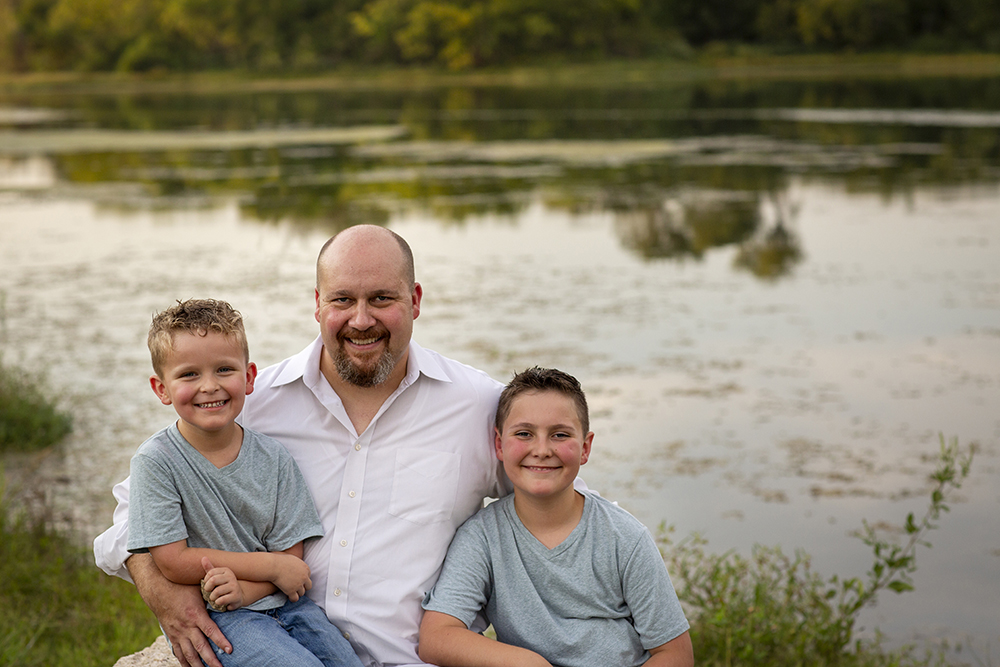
777	296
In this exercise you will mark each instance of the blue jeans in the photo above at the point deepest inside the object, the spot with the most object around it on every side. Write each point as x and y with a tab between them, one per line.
298	633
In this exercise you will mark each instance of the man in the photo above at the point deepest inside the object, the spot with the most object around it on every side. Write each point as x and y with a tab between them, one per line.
394	442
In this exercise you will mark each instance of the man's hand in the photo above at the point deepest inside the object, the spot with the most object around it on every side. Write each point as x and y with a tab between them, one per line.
222	587
181	612
291	575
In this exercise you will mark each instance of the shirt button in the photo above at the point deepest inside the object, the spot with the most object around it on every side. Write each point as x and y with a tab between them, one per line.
336	591
351	494
357	447
343	543
347	635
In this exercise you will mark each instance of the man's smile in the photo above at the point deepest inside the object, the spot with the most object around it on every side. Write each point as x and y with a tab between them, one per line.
361	342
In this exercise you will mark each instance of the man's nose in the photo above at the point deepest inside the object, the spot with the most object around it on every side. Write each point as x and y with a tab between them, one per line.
361	318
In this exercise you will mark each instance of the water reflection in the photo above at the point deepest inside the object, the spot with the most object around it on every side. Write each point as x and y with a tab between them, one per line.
774	312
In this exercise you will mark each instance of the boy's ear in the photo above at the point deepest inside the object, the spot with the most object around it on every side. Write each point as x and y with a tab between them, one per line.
251	376
159	389
498	444
587	443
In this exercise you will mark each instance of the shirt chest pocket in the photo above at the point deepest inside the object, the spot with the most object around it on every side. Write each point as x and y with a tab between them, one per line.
424	486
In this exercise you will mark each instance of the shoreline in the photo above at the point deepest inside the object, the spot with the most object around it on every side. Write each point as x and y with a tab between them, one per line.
617	73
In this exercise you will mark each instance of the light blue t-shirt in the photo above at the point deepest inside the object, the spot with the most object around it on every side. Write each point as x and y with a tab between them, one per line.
602	597
259	502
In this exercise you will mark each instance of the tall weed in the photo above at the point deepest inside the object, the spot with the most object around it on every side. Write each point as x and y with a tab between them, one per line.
28	420
56	607
774	609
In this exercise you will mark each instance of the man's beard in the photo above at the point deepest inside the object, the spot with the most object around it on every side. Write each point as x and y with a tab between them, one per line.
362	377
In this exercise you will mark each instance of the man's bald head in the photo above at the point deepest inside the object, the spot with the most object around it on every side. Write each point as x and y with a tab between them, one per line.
361	235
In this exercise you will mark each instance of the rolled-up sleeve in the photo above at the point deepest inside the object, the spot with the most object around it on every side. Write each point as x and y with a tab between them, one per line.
110	551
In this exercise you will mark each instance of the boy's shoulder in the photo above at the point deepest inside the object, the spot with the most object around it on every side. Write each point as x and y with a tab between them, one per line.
489	523
495	512
159	441
261	440
620	522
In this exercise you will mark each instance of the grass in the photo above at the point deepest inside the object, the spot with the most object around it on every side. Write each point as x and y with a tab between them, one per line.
28	420
56	607
774	609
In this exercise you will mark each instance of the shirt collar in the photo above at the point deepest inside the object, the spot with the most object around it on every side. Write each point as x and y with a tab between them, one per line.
305	366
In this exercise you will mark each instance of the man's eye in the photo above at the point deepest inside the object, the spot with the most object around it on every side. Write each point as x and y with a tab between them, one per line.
522	434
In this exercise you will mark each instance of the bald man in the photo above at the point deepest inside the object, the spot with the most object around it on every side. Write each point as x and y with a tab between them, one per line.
395	444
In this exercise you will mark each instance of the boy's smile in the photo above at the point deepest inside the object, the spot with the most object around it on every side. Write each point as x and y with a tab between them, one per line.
542	445
206	379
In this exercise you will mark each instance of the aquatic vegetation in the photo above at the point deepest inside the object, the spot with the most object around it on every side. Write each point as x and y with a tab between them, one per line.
774	609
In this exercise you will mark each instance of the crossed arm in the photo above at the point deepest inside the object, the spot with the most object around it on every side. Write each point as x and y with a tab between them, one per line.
179	606
447	642
238	575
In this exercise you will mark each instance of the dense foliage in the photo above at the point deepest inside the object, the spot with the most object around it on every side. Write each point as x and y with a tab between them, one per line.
28	420
136	35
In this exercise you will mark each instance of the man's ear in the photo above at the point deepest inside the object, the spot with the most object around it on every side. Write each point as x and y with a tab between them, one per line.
159	389
587	444
498	444
415	297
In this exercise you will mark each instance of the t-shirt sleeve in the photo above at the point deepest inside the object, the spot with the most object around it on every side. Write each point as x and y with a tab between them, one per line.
650	595
465	583
154	514
295	516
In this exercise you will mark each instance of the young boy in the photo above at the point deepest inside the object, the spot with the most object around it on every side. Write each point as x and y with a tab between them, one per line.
565	578
224	506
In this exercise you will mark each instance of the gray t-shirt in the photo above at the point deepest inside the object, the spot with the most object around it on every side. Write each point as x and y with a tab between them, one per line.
602	597
259	502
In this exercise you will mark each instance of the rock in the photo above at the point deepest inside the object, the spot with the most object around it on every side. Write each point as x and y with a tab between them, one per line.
155	655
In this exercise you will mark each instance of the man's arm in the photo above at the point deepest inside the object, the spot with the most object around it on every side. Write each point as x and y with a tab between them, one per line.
110	547
445	641
677	652
181	612
182	564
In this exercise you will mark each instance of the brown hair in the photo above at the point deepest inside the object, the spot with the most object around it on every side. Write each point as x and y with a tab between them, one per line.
193	316
543	379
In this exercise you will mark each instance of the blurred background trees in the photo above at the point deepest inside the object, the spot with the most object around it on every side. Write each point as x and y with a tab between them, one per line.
261	35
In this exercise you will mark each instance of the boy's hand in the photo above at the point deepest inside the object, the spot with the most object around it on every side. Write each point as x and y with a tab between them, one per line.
221	588
291	575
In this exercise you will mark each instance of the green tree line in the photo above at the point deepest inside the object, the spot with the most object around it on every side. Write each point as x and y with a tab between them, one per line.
139	35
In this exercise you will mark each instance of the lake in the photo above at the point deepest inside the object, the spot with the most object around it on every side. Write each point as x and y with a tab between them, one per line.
777	294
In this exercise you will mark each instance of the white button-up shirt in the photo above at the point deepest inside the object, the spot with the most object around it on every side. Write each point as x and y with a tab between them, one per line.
390	498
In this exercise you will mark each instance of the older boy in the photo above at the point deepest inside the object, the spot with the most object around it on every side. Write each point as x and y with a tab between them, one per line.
566	578
215	503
